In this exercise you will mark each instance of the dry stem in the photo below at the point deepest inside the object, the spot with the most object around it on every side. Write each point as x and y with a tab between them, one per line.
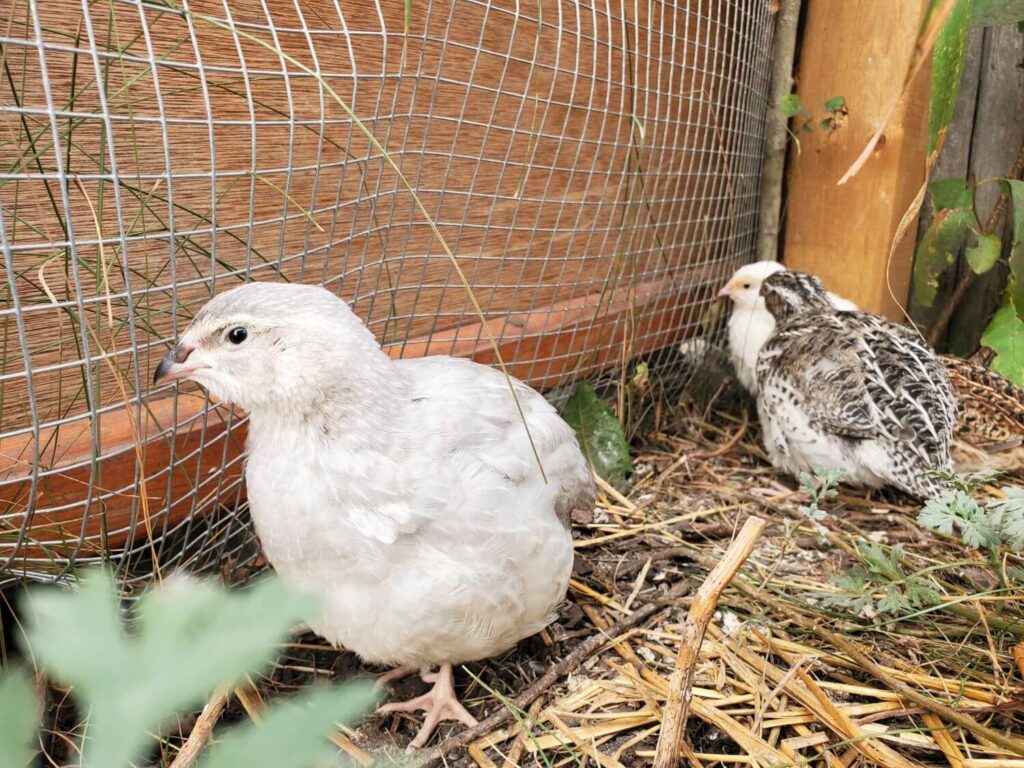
705	601
578	655
201	730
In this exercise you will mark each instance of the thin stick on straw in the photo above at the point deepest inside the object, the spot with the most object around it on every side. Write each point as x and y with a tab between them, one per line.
568	664
201	730
705	601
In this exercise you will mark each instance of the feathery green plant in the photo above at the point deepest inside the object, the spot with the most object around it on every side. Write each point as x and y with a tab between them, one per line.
182	641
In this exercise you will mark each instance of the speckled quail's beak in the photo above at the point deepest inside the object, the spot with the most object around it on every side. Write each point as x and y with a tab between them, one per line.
175	365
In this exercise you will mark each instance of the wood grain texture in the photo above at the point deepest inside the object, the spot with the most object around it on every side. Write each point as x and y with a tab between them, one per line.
982	142
954	161
996	136
859	51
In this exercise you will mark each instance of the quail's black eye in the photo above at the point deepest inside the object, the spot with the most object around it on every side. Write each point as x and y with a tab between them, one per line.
745	286
237	335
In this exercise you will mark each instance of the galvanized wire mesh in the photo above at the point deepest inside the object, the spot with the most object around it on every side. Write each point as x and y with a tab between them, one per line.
594	167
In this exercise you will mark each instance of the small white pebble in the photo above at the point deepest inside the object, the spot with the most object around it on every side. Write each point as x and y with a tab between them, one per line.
879	537
646	653
574	682
731	623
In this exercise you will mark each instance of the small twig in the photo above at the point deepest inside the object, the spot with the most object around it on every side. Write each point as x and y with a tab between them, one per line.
776	131
202	730
705	601
577	656
728	445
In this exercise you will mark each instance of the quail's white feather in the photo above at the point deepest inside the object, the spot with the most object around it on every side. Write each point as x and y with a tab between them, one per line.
405	493
750	323
850	391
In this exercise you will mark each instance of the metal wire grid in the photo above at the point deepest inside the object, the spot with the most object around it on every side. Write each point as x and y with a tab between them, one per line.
592	162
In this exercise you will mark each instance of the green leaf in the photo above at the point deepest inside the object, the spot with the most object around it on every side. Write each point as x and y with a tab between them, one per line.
951	193
989	12
893	601
1005	335
937	250
599	433
1015	190
790	105
191	637
292	733
947	66
1007	515
983	256
835	104
19	719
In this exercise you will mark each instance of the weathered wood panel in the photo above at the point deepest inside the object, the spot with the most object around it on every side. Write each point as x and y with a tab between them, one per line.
996	135
860	51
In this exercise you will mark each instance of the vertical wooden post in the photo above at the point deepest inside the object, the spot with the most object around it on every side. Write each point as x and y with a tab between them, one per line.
776	134
860	51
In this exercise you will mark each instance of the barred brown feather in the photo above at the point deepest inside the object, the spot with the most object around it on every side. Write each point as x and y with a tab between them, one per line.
851	391
990	430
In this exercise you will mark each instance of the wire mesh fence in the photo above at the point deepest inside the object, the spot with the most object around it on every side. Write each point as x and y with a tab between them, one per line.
593	166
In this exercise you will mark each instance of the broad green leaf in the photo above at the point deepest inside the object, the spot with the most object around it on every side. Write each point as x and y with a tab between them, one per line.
1005	335
835	104
190	638
1015	189
19	719
78	635
599	433
987	12
951	193
937	250
983	256
947	66
292	733
790	105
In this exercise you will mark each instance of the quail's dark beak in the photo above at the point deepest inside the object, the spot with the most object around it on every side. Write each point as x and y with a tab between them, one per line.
175	365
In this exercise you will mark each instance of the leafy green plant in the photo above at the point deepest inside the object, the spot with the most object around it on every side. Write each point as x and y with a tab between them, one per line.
819	487
186	639
599	433
955	224
835	112
877	572
990	526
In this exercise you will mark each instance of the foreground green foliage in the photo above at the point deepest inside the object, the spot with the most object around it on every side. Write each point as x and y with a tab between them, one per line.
186	639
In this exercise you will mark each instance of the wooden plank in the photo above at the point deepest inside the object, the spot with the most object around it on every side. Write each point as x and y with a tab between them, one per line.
953	162
859	51
995	141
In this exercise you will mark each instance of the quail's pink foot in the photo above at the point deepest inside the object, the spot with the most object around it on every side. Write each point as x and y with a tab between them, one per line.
440	703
